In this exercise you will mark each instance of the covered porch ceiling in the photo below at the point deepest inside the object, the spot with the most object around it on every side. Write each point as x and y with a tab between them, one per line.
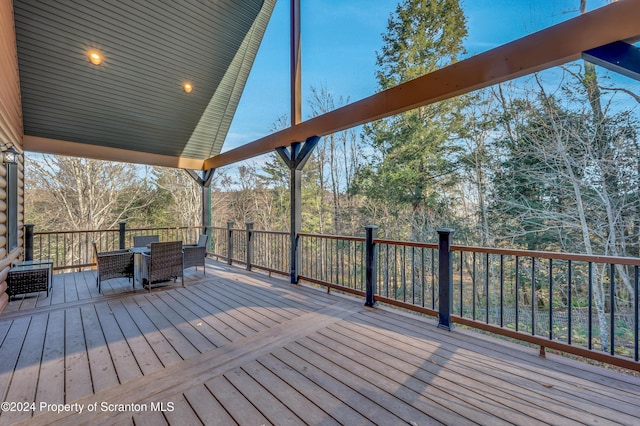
133	108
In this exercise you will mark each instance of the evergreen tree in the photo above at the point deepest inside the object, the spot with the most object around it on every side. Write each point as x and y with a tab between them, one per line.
412	164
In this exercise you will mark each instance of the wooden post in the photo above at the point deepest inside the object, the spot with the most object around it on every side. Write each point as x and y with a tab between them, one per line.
371	259
123	229
249	226
206	209
295	158
445	281
295	191
28	242
229	242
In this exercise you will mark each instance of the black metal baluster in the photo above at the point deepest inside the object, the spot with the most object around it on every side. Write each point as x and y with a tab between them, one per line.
501	290
342	280
433	280
533	296
330	262
403	260
349	264
570	303
395	272
386	272
334	263
363	269
461	278
340	276
517	282
635	315
550	299
590	332
323	273
473	279
486	288
422	280
413	275
612	333
317	256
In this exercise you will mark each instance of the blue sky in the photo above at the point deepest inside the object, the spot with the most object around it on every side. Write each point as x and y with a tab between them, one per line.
339	43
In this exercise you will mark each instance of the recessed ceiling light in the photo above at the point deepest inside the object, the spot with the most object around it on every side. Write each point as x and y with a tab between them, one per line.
95	58
187	87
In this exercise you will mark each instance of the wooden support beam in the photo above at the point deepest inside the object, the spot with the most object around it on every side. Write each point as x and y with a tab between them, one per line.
76	149
550	47
296	65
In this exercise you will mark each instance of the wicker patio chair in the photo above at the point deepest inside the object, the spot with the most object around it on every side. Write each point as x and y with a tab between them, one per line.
163	263
144	240
194	254
113	264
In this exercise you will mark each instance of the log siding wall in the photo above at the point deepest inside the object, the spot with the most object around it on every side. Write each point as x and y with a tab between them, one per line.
11	133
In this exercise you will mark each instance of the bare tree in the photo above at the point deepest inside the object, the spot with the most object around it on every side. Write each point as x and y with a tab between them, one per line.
84	194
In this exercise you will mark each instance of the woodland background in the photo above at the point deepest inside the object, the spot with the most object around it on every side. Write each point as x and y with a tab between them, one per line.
546	162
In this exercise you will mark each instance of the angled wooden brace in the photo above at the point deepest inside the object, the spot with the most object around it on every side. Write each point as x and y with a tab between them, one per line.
204	180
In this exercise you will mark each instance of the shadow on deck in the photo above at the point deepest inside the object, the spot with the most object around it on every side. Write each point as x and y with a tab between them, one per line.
237	347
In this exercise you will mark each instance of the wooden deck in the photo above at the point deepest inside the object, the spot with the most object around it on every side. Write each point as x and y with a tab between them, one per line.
236	347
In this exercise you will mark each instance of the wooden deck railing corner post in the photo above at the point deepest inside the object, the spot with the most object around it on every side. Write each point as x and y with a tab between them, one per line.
371	260
28	241
229	242
445	279
249	228
122	238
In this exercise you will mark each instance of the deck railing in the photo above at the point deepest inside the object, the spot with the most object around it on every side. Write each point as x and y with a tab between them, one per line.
265	250
72	250
579	304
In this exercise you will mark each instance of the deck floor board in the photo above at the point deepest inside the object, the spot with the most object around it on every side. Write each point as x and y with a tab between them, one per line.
51	381
25	377
268	405
103	372
455	377
239	408
200	309
161	346
176	339
190	331
241	347
126	365
211	334
183	414
145	356
298	403
76	362
206	407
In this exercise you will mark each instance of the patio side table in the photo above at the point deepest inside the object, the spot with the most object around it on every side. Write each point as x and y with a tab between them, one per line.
28	278
43	262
